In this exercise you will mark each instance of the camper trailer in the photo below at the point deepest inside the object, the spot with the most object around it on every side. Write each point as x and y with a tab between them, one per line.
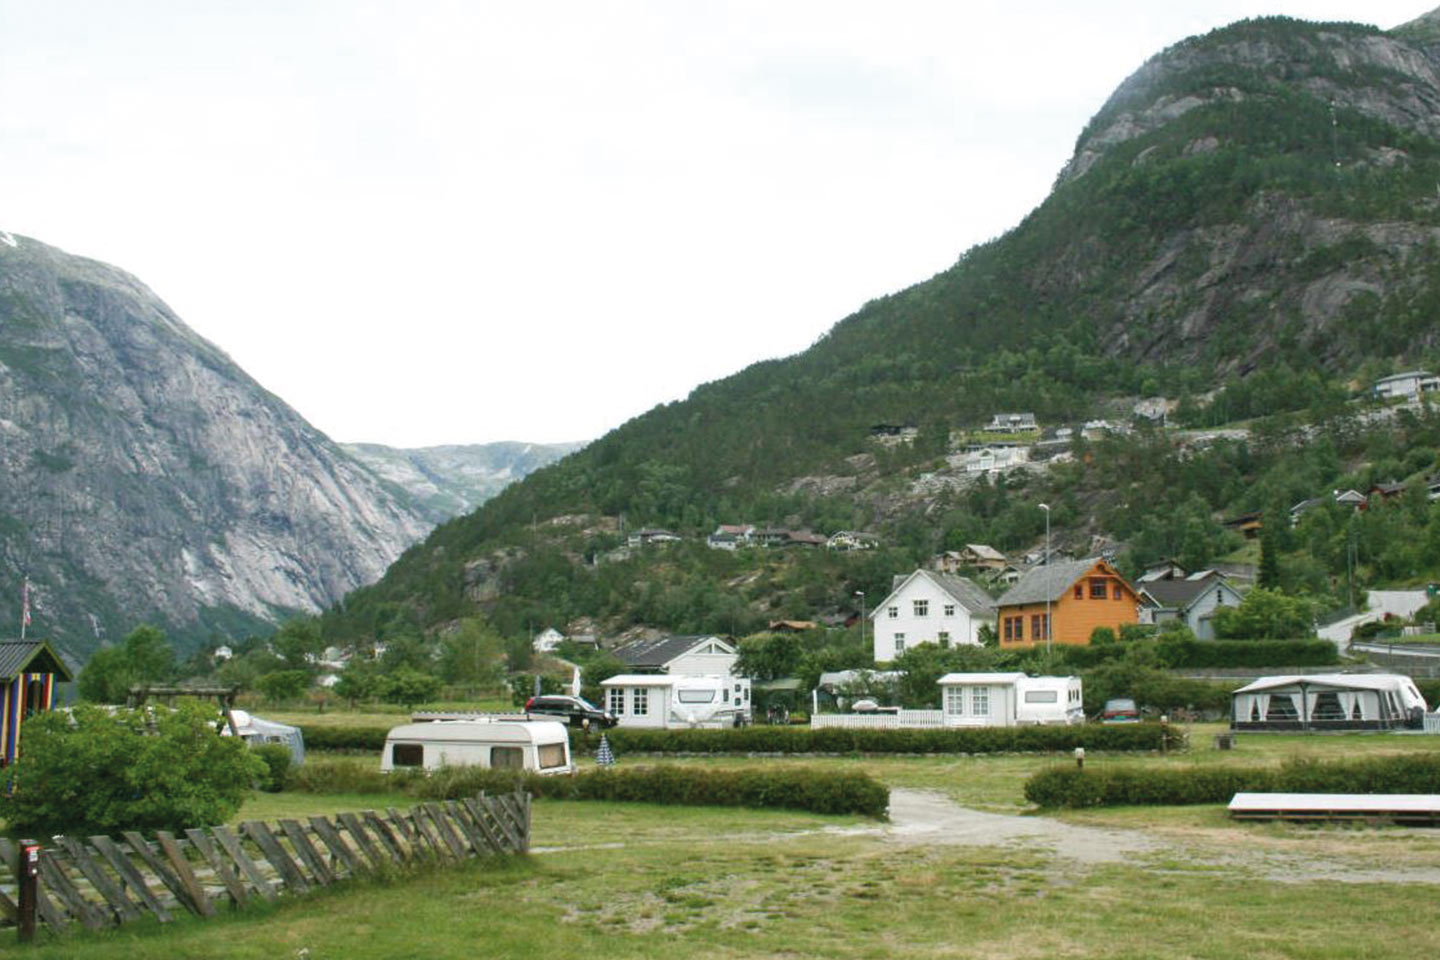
541	746
257	730
1049	700
1009	699
677	700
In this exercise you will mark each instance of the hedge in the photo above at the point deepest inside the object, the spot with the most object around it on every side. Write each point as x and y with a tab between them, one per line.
830	740
1109	787
1195	654
804	740
787	787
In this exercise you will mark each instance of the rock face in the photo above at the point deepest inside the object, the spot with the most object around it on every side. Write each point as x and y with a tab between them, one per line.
451	480
147	477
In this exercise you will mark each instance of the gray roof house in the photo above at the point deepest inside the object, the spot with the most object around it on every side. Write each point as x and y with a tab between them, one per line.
929	607
692	655
1194	600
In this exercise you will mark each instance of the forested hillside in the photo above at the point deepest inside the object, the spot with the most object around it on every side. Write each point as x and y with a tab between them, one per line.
1248	228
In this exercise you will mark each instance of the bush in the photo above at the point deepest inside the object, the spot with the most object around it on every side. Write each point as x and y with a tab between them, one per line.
803	740
92	771
792	788
277	759
1180	654
337	739
1105	787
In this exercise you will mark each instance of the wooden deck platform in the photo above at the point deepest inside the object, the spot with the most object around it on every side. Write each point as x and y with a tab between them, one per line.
1411	808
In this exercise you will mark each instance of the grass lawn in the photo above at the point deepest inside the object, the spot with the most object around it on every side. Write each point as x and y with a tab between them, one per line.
635	880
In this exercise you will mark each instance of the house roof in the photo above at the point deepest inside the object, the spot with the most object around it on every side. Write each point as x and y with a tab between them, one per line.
971	679
1408	375
1343	681
1178	594
961	589
1047	582
31	656
660	651
985	552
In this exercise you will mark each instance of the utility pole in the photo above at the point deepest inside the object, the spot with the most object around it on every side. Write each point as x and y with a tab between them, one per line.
1046	562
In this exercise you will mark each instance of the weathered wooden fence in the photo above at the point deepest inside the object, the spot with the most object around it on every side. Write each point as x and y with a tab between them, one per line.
104	881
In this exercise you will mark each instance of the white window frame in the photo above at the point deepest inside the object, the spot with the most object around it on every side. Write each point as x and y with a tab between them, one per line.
617	701
949	609
640	702
920	608
899	644
894	613
980	701
955	701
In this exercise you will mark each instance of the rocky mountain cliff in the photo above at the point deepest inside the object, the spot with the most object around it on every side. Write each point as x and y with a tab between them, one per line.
147	477
451	480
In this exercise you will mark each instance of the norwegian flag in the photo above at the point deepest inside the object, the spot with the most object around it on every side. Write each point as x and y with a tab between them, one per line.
24	606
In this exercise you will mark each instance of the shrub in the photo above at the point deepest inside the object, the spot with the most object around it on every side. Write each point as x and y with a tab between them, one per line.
92	771
1103	787
793	788
337	739
830	740
276	757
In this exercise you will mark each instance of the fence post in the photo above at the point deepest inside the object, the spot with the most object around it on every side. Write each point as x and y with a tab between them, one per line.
29	881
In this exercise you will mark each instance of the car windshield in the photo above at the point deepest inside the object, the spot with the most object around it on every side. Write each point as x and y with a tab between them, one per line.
586	704
1120	705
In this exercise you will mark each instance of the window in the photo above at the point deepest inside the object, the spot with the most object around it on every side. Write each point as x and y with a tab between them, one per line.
899	644
944	638
617	700
922	608
955	701
1079	592
1009	628
1115	590
1097	588
695	696
1044	627
894	613
949	609
640	701
1042	696
407	755
507	758
552	755
1035	625
980	701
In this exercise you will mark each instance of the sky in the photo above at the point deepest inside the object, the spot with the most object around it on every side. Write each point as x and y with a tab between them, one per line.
429	222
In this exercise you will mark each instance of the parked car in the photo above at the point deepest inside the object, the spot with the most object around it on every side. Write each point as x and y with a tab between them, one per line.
577	711
1122	710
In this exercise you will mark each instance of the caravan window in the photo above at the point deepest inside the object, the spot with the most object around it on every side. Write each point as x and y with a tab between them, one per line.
407	755
695	696
552	755
1042	696
507	758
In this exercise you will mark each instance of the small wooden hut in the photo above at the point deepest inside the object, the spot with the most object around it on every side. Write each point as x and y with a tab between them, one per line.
29	671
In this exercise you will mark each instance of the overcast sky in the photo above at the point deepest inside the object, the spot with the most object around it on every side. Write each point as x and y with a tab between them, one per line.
459	222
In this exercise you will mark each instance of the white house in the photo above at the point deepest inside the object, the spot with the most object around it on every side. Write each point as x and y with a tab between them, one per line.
929	607
1194	599
688	655
547	640
660	700
1410	384
1011	423
1009	699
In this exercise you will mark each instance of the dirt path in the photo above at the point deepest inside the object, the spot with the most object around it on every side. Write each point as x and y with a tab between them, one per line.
931	818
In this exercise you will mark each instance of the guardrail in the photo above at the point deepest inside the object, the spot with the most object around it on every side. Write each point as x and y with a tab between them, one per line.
102	881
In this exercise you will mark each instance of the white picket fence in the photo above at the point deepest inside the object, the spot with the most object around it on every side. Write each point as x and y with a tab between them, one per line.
904	720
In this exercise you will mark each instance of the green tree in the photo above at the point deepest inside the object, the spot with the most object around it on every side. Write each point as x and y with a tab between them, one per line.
1268	577
769	656
284	685
143	658
1266	615
94	771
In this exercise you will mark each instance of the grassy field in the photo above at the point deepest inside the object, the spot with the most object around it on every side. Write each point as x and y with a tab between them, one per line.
634	880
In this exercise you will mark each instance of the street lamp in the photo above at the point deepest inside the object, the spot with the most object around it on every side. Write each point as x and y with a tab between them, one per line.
861	595
1046	562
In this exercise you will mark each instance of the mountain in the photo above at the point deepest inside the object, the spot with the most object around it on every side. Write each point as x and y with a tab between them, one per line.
450	480
1248	224
146	477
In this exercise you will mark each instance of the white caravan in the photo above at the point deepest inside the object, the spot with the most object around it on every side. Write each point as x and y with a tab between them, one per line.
1009	699
542	746
677	700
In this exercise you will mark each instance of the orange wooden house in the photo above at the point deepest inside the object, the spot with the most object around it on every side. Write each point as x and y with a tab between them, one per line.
1077	596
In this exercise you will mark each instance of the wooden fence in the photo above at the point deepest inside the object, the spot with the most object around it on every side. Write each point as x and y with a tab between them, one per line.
103	881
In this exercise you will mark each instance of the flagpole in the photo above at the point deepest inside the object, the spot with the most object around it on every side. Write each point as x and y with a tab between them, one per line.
24	606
